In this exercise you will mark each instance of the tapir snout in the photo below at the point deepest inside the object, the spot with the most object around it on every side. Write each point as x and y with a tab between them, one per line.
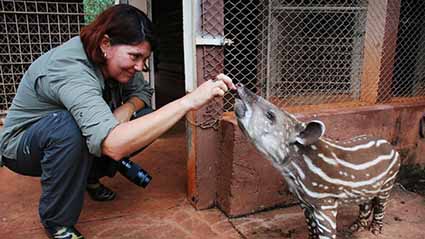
244	100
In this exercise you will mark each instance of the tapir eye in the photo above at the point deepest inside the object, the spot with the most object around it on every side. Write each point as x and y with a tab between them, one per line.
271	116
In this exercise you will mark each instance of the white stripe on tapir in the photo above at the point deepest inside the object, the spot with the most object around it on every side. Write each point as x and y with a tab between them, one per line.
321	195
381	141
327	159
354	184
300	171
354	148
330	206
335	160
364	165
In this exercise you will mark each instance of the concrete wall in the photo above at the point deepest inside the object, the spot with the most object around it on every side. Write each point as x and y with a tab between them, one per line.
248	183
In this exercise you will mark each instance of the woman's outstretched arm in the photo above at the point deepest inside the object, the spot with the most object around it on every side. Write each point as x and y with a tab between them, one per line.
128	137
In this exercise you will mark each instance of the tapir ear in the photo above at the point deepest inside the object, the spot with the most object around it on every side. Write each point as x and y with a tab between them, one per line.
312	132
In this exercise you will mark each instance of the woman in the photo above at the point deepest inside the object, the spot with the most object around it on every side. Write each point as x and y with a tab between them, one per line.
71	114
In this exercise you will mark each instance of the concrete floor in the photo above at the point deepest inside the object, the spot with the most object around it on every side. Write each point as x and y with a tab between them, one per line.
162	211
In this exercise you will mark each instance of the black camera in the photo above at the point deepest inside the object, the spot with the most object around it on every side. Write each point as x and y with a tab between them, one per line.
134	172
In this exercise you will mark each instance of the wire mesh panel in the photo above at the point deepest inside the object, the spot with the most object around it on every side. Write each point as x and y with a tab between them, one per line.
28	29
212	58
313	61
310	52
244	60
408	70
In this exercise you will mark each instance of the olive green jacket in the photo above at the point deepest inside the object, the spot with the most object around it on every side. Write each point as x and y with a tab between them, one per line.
64	79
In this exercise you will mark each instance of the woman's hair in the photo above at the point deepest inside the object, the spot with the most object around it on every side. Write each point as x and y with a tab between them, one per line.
123	23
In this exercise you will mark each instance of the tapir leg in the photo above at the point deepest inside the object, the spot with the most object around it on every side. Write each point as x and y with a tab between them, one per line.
362	221
379	204
321	223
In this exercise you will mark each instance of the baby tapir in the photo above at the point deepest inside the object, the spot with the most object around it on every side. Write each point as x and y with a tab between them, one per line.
321	173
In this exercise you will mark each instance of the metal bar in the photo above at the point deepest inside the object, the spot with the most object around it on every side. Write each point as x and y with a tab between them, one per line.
208	40
191	20
269	26
301	8
37	13
20	50
29	35
151	59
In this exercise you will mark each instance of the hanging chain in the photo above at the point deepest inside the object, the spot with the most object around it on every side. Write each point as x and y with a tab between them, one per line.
211	117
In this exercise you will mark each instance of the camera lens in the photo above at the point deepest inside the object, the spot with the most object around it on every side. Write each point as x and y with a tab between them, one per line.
134	172
143	177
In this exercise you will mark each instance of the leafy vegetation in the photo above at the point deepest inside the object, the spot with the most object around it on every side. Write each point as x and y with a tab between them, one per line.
93	7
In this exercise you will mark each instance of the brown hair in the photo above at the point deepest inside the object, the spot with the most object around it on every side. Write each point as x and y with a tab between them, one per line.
123	23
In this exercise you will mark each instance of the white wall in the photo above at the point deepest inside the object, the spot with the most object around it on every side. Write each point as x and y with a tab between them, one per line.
140	4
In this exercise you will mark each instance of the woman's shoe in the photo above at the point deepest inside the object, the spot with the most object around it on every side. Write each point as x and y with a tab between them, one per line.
99	192
63	232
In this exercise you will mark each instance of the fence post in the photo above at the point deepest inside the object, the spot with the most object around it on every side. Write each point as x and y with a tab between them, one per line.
379	51
203	133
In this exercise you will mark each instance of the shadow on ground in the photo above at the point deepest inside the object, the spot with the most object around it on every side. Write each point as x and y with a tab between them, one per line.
412	177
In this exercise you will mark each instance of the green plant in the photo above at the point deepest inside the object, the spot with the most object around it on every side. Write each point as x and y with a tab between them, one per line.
93	7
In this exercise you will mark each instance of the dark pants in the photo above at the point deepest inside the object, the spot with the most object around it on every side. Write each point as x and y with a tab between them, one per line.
54	149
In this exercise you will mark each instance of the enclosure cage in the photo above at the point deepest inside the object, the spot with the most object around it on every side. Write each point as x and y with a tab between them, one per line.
320	52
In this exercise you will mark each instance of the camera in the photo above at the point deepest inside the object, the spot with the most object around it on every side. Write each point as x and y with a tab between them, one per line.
134	172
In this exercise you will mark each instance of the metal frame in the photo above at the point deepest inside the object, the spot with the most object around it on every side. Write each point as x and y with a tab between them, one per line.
191	19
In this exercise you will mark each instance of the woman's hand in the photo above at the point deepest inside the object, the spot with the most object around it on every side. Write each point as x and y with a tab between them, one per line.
124	112
209	90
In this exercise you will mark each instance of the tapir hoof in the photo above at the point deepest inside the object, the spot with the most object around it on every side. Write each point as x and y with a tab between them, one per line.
376	229
357	227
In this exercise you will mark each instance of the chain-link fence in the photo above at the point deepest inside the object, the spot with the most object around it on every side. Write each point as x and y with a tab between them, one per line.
212	57
311	52
30	28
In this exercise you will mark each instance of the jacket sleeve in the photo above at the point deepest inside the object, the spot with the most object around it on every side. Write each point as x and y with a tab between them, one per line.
81	95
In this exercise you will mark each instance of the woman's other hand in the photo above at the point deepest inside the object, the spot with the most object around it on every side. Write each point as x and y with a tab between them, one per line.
209	90
124	112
